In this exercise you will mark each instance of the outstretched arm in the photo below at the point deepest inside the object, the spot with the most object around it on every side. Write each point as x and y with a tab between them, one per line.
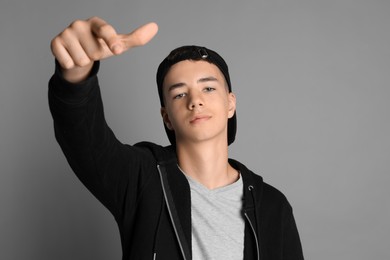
108	168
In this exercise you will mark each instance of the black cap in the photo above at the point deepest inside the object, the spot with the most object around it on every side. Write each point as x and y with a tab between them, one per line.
194	53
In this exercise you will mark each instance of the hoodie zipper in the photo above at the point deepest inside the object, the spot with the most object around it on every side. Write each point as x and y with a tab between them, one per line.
170	215
250	188
254	233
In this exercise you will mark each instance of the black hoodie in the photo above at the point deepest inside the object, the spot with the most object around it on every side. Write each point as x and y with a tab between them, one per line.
142	186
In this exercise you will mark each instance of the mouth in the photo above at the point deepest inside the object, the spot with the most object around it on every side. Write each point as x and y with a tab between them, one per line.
199	118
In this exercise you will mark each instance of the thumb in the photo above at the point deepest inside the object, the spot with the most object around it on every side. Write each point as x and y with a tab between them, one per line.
139	36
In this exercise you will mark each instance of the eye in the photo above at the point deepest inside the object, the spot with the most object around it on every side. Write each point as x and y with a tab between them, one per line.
179	96
209	89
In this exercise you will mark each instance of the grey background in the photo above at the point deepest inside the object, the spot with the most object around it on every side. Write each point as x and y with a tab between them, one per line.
312	82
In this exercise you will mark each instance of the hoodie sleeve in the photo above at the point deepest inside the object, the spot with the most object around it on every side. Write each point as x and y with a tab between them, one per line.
112	171
278	230
292	248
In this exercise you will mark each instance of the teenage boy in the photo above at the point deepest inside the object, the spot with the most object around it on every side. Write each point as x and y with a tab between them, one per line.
184	201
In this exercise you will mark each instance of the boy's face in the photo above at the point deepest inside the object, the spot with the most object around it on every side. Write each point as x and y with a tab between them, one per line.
197	102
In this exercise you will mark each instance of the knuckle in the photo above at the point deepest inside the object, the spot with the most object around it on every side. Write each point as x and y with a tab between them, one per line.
83	61
94	56
66	64
93	19
104	29
67	33
77	24
54	43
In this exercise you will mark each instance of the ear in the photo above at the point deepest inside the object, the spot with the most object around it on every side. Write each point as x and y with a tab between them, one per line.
232	104
165	118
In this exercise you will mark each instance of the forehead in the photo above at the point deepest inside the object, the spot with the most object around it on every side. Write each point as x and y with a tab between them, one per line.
190	69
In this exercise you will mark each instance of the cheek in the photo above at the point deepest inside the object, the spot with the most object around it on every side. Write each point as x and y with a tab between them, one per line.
172	112
226	103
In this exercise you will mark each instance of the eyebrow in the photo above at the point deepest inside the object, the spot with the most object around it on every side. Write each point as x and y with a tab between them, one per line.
182	84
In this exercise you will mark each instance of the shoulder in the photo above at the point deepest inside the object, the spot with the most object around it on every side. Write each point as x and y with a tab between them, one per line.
273	197
270	197
158	152
266	194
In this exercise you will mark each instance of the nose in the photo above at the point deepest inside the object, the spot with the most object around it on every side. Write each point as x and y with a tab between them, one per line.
195	101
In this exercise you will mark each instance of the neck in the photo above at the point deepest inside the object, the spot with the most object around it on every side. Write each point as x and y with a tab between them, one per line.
207	163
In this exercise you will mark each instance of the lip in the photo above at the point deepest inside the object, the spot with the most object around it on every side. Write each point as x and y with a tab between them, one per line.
199	118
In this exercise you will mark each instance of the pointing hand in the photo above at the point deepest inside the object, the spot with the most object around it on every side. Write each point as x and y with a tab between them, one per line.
86	41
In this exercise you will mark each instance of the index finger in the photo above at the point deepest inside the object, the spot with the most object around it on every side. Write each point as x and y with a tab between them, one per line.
101	29
140	36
